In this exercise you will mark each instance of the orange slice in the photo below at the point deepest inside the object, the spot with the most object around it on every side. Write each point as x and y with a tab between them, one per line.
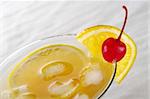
93	39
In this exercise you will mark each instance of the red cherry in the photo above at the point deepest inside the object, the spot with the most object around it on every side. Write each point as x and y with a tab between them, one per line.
114	49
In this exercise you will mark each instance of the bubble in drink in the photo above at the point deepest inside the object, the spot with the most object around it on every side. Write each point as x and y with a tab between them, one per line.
64	90
81	96
54	69
91	76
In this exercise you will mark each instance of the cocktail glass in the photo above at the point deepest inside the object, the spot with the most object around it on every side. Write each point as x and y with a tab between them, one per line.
10	62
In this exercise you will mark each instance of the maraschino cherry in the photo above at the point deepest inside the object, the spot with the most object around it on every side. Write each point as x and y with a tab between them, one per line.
114	49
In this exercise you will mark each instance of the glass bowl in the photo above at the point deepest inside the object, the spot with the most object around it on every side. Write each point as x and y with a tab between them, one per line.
10	62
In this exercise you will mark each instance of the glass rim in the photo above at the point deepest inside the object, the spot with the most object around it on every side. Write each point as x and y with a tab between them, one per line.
53	36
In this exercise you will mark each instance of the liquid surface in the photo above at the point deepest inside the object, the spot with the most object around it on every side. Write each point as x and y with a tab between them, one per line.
59	72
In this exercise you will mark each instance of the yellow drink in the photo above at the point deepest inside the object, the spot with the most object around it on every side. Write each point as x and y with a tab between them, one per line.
59	72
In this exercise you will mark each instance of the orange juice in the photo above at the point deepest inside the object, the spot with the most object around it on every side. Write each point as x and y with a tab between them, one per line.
59	72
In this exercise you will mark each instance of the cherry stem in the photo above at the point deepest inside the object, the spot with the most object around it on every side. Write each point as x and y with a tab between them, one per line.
125	20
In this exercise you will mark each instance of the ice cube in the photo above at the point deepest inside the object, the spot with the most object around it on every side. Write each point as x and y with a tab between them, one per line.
21	89
6	95
28	95
54	69
64	90
81	96
91	76
14	92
